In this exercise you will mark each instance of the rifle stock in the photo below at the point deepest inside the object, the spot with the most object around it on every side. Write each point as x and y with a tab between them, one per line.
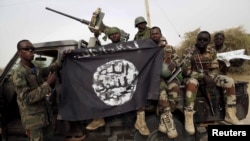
208	96
178	70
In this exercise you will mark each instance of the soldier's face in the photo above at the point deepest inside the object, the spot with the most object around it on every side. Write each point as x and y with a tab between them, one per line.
141	26
202	40
219	40
155	35
26	51
115	37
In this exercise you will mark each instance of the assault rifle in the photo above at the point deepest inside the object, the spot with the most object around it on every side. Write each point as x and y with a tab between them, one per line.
205	90
178	70
96	25
208	96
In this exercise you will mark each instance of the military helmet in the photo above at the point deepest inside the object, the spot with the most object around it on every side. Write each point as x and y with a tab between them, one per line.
139	19
113	30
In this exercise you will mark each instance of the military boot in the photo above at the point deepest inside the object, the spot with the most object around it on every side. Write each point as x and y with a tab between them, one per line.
167	124
189	122
140	123
231	115
95	123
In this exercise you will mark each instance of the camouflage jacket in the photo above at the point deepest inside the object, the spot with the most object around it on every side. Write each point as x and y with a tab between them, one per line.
234	62
31	91
223	49
197	64
223	67
145	34
170	55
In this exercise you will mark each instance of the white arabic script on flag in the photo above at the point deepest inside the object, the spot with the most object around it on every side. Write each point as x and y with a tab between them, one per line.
236	54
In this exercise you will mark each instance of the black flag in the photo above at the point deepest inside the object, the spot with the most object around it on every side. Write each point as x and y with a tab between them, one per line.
108	80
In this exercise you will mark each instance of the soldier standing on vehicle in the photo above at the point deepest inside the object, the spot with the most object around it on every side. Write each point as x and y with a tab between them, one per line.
33	93
203	67
114	35
143	31
168	92
220	47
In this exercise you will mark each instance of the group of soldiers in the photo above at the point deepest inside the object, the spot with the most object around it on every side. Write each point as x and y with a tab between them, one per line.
199	65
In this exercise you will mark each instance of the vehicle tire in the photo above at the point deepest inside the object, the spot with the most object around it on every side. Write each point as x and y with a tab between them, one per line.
156	135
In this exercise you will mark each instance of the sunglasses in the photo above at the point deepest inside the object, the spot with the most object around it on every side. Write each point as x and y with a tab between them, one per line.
28	48
203	39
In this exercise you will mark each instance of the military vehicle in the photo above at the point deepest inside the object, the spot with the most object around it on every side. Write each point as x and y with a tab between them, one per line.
209	110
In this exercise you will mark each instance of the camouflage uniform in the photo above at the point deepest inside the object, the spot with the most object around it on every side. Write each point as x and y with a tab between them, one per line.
223	49
234	62
194	69
140	123
220	47
99	122
172	89
36	112
168	92
207	62
145	34
222	66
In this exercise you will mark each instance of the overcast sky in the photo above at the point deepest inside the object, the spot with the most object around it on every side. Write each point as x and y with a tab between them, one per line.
28	19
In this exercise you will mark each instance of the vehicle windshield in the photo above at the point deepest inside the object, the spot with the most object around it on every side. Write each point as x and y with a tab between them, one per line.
41	59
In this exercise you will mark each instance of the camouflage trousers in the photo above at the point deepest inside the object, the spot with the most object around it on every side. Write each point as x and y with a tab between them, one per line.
223	81
168	95
41	134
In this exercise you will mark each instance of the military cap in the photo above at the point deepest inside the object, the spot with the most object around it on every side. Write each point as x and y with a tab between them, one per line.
113	30
140	19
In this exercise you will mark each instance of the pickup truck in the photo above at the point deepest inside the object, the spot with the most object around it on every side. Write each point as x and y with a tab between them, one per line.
118	127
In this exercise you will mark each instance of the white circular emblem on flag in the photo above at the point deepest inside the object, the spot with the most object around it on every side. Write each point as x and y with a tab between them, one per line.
115	82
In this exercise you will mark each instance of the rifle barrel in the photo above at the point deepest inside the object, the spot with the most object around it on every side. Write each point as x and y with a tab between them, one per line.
72	17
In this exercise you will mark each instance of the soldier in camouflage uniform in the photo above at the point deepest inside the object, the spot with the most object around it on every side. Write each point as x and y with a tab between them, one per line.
143	31
220	47
168	92
32	92
202	67
140	123
114	35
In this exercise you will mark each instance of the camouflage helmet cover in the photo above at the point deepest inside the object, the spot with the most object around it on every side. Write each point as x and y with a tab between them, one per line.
139	19
113	30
